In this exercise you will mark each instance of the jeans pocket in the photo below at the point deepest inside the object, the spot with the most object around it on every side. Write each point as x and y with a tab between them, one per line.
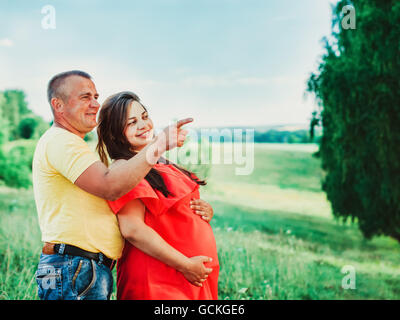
49	281
84	277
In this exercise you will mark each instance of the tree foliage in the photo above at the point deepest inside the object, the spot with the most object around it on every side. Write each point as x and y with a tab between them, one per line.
14	169
17	122
14	107
358	89
31	126
27	127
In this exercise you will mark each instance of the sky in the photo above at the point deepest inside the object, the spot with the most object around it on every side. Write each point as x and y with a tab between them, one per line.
222	62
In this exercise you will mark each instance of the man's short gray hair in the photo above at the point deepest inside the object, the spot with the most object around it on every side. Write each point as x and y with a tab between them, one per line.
53	88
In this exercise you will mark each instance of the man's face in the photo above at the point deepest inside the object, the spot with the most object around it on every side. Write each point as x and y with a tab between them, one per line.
80	103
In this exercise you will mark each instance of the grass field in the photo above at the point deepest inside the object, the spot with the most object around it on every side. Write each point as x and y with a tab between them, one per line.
275	234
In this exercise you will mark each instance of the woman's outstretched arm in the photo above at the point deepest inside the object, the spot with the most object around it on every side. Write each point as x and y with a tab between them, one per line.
143	237
112	183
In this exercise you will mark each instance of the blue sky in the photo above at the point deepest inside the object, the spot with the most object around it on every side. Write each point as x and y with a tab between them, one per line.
222	62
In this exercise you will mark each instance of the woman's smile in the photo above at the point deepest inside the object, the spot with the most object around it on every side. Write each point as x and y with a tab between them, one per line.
143	135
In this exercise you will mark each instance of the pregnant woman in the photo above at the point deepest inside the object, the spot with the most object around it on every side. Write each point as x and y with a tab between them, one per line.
170	252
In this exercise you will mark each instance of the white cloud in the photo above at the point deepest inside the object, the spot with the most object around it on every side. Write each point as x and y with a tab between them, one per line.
5	42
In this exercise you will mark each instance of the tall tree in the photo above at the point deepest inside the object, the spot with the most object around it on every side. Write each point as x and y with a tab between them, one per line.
357	86
3	122
14	107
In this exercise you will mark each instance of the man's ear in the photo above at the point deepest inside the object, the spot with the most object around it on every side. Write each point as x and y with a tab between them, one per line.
57	105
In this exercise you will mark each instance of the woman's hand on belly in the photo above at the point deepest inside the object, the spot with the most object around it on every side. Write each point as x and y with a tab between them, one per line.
202	208
195	271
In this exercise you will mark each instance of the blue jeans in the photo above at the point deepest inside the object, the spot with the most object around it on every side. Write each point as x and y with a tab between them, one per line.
65	277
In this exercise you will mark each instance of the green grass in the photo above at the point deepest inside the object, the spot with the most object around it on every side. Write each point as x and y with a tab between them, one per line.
19	244
275	234
277	238
278	255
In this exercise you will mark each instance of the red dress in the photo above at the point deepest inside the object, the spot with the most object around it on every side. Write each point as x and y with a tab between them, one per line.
142	277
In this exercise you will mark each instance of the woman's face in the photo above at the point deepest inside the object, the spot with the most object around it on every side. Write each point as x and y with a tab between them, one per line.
139	127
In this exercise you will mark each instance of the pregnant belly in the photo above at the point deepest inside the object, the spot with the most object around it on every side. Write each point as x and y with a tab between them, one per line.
187	233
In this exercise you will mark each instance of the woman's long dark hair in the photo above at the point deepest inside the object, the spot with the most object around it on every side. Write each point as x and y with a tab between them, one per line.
113	143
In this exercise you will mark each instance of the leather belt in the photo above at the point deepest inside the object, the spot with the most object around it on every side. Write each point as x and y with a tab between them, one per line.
61	248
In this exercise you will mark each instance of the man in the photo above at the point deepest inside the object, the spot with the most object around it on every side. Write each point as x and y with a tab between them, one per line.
81	234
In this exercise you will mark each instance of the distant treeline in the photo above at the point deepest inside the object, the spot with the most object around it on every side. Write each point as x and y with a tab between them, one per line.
260	136
298	136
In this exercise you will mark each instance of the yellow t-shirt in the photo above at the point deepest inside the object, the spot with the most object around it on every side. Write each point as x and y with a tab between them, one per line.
68	214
